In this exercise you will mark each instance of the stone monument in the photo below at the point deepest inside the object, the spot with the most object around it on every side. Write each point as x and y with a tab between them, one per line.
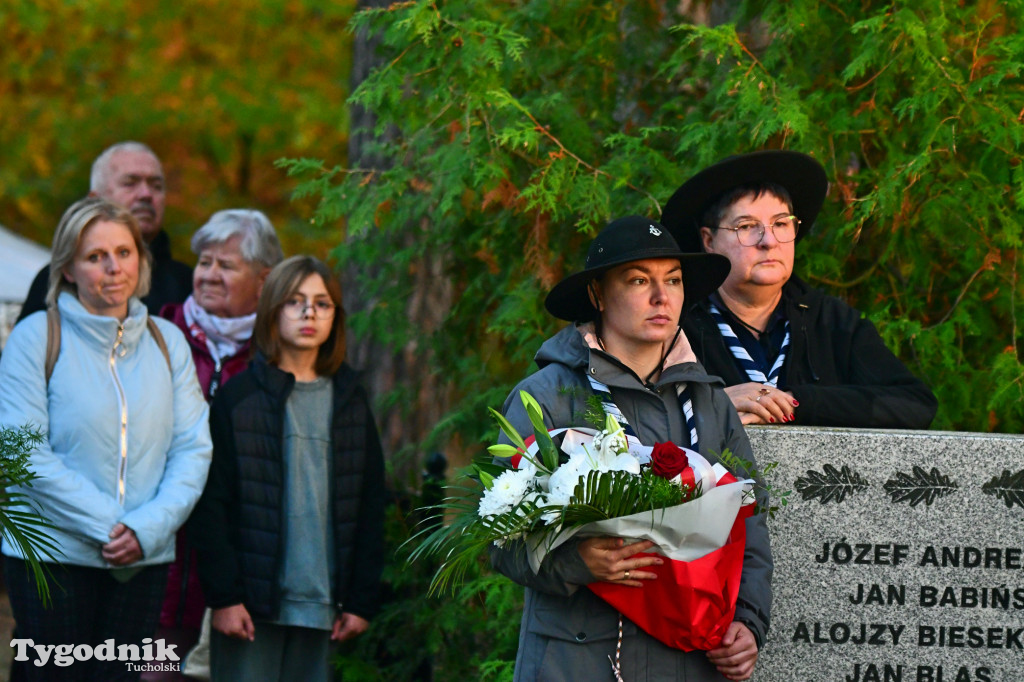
899	557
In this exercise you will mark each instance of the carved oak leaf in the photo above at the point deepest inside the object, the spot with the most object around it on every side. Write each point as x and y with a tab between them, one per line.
922	486
830	484
1009	488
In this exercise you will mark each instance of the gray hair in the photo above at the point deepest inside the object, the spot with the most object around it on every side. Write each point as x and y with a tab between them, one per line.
76	220
259	245
100	176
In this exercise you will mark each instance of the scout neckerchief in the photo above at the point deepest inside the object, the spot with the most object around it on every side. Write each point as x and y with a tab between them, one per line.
743	357
608	403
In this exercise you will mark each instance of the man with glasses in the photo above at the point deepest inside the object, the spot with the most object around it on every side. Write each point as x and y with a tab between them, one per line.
787	352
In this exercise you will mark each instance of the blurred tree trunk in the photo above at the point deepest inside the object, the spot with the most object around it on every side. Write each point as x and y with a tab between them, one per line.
409	395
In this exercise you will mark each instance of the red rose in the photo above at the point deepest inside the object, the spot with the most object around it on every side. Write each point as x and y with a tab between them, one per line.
668	460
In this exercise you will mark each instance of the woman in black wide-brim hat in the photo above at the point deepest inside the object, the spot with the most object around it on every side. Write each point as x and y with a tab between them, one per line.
625	346
787	352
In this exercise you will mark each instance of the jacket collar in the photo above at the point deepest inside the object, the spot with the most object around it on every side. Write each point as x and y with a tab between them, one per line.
798	294
160	247
100	331
568	348
279	383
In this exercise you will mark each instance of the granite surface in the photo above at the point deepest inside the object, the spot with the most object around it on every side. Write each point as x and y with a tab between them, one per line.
900	557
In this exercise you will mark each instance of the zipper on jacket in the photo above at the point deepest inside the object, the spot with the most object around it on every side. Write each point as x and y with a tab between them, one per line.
214	379
119	351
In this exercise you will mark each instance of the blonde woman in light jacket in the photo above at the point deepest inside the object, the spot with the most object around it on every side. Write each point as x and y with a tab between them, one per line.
127	444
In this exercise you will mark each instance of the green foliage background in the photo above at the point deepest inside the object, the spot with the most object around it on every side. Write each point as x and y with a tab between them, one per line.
514	130
219	91
509	132
522	127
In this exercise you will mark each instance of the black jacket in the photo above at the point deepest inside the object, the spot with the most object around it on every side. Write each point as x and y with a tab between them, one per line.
837	366
238	525
171	281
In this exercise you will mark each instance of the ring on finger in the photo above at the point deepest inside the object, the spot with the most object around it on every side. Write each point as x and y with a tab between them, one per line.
764	391
758	398
625	575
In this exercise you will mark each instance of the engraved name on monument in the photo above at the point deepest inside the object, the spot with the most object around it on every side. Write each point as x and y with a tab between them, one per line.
900	557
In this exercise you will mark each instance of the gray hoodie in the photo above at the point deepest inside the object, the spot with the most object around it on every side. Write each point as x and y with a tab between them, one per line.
567	633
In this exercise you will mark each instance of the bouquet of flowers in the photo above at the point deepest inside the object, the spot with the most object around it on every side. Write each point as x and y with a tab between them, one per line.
586	482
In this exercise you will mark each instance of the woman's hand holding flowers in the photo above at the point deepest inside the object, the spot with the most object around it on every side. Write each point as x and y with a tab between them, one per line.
609	559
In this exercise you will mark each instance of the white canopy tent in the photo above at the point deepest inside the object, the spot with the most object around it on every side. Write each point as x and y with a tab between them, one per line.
20	261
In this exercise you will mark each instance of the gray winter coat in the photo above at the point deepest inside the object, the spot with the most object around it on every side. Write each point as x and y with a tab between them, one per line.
567	632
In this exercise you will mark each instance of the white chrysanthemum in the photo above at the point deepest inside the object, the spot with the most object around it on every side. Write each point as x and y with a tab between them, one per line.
534	497
565	478
506	492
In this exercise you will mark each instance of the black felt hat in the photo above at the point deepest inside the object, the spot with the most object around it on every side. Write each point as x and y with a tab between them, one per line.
801	175
626	240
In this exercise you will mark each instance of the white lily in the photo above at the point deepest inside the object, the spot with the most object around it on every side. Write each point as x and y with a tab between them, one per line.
611	450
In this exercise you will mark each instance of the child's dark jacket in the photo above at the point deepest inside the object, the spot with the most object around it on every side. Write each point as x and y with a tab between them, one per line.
238	525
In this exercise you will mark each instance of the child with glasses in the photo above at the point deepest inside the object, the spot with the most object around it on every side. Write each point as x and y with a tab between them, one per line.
289	528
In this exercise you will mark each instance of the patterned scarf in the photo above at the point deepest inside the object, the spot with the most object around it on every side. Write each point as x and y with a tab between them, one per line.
743	357
608	403
223	336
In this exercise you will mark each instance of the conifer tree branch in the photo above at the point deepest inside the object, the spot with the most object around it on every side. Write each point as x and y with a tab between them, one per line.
564	150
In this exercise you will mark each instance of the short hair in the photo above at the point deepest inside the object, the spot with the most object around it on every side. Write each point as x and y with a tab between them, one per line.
259	245
79	217
715	213
99	178
281	284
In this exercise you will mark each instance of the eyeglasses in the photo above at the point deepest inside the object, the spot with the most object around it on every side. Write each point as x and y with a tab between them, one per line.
751	232
295	308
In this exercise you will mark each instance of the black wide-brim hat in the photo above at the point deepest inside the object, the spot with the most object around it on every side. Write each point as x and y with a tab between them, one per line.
801	175
626	240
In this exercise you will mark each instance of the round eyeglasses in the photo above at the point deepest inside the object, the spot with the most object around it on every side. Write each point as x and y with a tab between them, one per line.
751	232
295	308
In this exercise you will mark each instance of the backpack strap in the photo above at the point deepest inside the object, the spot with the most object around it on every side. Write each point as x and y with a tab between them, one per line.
159	338
53	341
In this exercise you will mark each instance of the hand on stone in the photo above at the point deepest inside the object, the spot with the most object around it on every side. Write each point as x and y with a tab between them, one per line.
762	404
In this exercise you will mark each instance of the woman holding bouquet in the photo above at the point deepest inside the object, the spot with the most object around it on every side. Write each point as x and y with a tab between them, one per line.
625	346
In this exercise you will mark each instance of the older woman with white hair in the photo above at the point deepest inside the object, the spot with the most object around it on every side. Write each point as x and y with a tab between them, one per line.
236	248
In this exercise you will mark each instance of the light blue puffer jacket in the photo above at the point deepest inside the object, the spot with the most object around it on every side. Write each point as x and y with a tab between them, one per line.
92	473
